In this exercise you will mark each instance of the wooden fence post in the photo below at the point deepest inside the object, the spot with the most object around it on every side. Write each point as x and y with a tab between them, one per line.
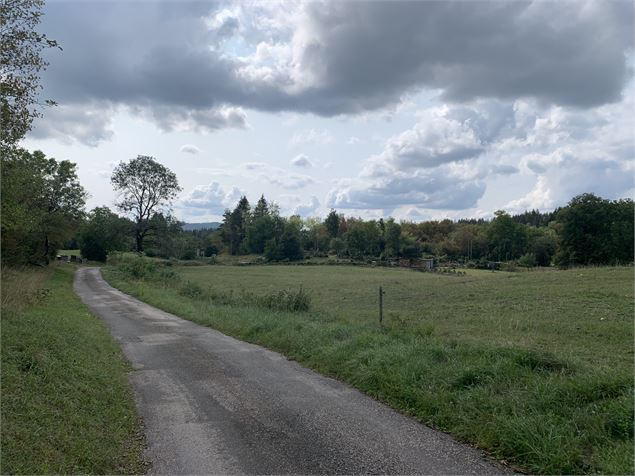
381	305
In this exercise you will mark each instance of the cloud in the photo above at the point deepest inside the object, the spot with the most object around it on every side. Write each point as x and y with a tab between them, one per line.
307	209
436	189
279	177
190	149
198	65
301	160
437	138
88	125
174	118
289	181
503	169
210	199
366	54
445	160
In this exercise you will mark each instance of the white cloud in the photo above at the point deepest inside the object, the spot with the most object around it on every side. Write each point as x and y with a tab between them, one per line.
444	161
301	160
307	209
190	149
212	199
279	177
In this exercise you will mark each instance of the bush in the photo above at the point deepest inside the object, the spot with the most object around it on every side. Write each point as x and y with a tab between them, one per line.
191	290
139	267
287	300
527	260
210	251
189	254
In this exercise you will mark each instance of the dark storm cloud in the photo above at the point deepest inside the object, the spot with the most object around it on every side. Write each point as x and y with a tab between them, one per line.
563	52
354	56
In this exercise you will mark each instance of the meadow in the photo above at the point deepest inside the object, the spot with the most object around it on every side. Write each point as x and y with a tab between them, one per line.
67	407
535	367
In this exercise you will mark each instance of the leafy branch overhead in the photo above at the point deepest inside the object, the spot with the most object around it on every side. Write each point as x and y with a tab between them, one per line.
21	60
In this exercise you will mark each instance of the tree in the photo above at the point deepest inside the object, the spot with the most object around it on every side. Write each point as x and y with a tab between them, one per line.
507	239
286	246
234	227
103	233
593	230
167	239
22	62
332	223
262	208
260	230
42	204
392	238
145	186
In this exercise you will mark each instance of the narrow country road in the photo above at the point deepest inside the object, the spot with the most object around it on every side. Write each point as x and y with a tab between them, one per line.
213	404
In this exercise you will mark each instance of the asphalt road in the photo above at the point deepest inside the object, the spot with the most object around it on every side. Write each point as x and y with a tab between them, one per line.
213	404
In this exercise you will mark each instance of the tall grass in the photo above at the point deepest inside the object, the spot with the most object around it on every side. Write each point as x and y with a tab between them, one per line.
154	271
23	287
66	404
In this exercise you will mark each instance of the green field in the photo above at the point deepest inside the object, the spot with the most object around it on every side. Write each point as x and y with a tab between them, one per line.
536	367
66	404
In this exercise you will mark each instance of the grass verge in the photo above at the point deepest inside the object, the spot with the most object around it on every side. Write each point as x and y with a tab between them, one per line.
66	403
537	408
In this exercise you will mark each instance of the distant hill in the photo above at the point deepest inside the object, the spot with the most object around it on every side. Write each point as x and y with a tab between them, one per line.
212	225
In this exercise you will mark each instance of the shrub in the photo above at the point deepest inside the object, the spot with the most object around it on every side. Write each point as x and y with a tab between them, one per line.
527	260
287	300
189	254
210	251
191	290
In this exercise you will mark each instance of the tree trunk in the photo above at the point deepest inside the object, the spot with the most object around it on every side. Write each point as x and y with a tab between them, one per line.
46	248
139	239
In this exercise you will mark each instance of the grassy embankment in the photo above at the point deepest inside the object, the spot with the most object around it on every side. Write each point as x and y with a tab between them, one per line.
535	367
66	403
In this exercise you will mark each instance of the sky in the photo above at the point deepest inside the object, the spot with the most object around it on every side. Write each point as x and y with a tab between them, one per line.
418	110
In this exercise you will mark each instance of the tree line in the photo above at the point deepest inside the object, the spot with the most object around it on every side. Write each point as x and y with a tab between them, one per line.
589	230
43	211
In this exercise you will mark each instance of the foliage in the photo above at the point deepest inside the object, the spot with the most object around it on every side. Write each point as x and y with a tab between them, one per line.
42	205
332	223
474	242
145	186
22	62
594	230
528	260
363	239
287	300
234	227
104	232
507	239
286	247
